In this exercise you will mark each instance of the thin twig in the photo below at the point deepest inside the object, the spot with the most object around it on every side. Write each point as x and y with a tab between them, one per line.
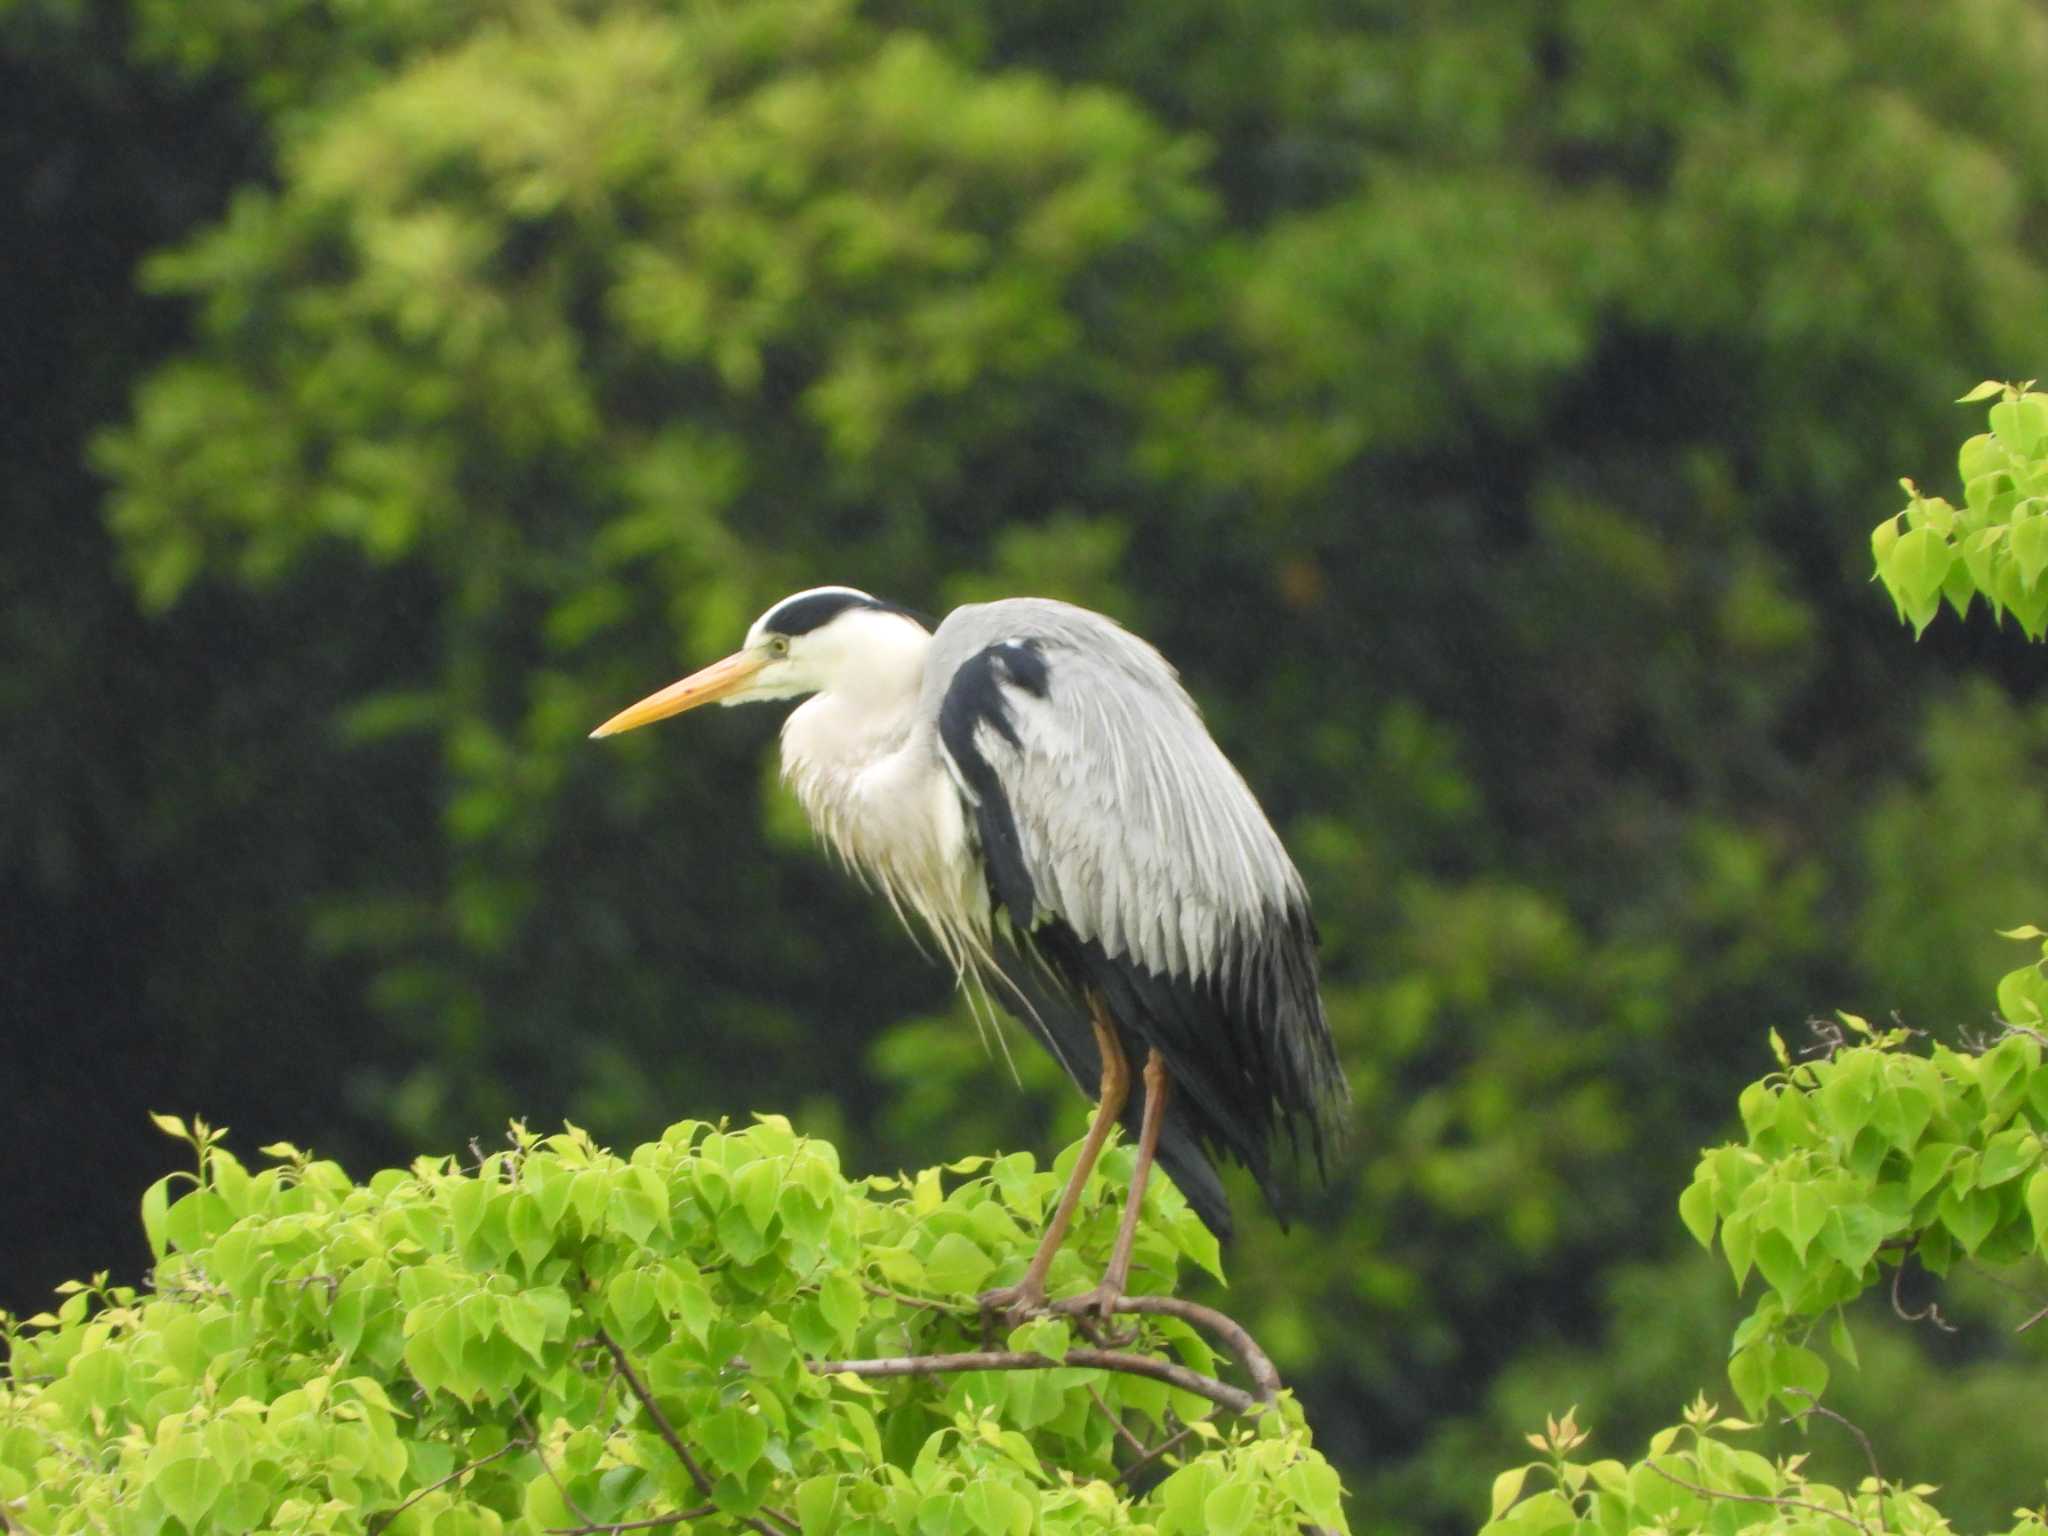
1109	1413
2010	1029
384	1517
652	1522
674	1441
1164	1448
547	1466
1758	1498
661	1424
2027	1293
1030	1360
922	1303
1813	1405
1931	1313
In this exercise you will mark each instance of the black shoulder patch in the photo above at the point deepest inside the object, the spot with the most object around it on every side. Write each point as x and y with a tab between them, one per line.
813	610
975	698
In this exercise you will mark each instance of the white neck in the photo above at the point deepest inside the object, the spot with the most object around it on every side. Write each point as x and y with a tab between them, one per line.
862	761
870	672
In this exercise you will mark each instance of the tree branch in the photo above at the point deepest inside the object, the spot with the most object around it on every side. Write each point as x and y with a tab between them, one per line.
1265	1379
1030	1360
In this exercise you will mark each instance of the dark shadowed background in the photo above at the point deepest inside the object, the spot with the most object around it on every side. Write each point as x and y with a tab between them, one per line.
1486	406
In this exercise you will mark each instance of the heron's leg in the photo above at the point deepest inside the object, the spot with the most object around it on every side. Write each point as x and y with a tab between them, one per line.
1106	1295
1028	1294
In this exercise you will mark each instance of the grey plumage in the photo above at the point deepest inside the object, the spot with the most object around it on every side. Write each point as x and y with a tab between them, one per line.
1152	875
1031	783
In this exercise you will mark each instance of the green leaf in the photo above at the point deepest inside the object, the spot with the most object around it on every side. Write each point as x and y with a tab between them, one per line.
1900	1112
195	1219
1797	1209
2007	1155
1919	564
1696	1210
757	1185
1848	1092
2028	542
1852	1234
1507	1488
188	1487
1796	1369
2037	1208
156	1203
2019	425
1191	1235
1738	1245
817	1501
1749	1373
523	1324
1930	1166
1231	1508
1969	1217
630	1300
1983	391
1783	1268
734	1439
1182	1496
995	1508
101	1374
1314	1486
1842	1340
956	1264
2023	995
841	1301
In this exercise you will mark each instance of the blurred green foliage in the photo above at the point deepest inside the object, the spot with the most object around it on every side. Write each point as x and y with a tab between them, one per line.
1484	406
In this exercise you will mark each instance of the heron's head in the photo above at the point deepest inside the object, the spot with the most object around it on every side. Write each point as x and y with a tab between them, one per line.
828	637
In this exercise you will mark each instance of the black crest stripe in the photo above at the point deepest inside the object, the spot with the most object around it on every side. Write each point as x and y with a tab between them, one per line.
801	615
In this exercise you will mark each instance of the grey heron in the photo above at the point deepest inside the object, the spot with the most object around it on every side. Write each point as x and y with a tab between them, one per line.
1031	781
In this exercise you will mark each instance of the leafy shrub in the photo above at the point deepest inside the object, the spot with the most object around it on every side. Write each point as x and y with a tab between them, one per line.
1875	1148
553	1338
1996	544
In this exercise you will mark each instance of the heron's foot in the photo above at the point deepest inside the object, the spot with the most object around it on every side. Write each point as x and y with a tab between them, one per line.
1093	1312
1009	1305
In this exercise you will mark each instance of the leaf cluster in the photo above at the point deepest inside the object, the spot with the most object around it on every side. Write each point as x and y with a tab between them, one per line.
555	1338
1875	1150
1698	1476
1855	1162
1995	545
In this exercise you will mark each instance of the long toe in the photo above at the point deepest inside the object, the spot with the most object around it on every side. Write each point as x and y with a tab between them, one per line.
1010	1305
1093	1311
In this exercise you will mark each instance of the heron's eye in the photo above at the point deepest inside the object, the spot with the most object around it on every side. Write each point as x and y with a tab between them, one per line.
778	645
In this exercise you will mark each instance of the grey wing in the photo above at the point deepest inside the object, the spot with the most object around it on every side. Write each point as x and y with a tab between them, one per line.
1131	825
1114	831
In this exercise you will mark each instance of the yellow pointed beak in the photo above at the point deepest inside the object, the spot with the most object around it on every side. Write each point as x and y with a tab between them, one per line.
715	682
